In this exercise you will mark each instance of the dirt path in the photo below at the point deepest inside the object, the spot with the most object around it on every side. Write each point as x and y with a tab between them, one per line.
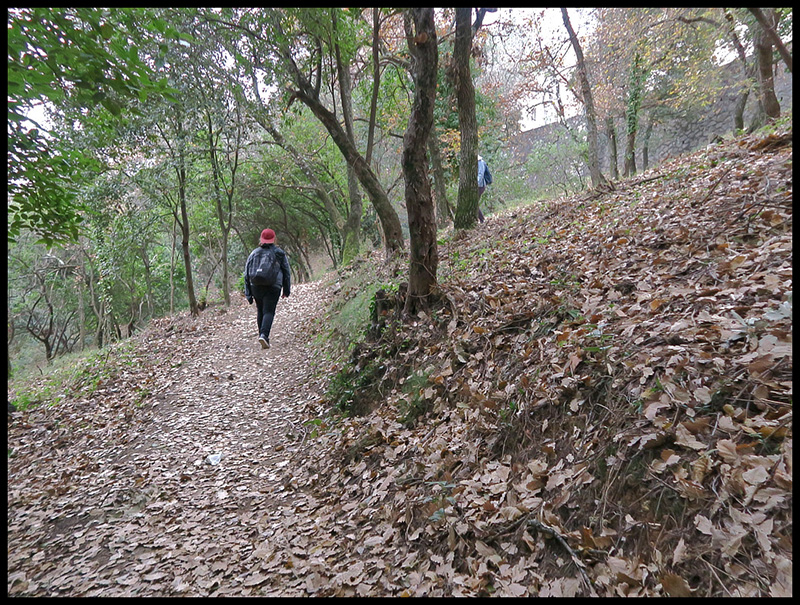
131	506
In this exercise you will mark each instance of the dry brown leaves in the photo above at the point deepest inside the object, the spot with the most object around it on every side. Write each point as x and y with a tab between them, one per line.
608	395
111	493
616	369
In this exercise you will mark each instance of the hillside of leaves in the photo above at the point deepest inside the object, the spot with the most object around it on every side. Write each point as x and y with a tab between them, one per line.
600	405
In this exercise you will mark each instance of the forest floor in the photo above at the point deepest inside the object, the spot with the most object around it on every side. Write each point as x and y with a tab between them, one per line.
599	404
113	498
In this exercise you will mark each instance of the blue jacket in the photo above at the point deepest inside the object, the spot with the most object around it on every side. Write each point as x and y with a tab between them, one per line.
285	278
484	176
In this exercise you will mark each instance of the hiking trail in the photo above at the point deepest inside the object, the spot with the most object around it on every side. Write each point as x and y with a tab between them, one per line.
141	511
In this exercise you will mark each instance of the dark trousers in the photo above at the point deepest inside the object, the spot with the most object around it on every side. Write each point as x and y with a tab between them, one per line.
266	301
480	193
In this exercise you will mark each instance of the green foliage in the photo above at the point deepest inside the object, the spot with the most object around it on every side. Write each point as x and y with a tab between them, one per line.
489	116
778	125
84	372
129	255
414	404
636	80
508	411
596	341
351	390
81	54
556	167
351	318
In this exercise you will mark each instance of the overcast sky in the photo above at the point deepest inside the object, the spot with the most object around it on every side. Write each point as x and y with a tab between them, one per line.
553	24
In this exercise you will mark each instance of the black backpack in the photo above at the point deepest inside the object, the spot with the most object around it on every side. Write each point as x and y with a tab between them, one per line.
265	268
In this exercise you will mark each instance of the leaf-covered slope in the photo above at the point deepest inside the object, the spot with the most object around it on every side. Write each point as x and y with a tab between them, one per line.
602	404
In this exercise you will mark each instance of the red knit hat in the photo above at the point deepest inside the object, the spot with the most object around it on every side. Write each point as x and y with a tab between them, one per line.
267	236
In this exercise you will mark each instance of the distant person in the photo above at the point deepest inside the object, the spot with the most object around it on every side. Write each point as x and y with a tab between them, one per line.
484	180
266	273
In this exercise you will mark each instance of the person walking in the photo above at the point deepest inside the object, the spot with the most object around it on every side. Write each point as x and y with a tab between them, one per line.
484	179
266	274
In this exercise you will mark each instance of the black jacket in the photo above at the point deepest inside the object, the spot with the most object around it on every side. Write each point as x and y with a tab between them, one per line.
285	279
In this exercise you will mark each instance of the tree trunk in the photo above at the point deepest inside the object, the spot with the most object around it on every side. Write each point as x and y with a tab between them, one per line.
444	213
148	280
390	222
629	168
632	107
766	84
467	206
747	71
81	314
45	334
612	151
94	300
223	217
226	214
768	24
351	241
352	229
744	95
308	94
172	268
419	200
322	192
376	80
392	231
183	222
588	102
187	257
648	131
738	111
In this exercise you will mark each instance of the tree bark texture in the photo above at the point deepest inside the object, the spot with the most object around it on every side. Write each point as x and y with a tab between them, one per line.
467	206
390	221
648	131
613	154
768	23
588	102
444	213
424	257
352	230
183	221
766	83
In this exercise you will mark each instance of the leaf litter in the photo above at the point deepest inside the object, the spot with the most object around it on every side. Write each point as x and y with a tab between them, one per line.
600	404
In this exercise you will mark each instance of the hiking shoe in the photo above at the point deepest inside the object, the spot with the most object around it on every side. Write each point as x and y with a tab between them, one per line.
264	342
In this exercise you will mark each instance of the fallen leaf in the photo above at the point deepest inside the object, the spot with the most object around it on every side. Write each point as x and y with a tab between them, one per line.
675	586
679	554
703	524
756	475
685	438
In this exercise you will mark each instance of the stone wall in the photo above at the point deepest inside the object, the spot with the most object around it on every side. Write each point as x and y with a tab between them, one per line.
691	132
674	136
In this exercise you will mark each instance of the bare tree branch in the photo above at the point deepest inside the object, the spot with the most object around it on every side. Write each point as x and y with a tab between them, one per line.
773	36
